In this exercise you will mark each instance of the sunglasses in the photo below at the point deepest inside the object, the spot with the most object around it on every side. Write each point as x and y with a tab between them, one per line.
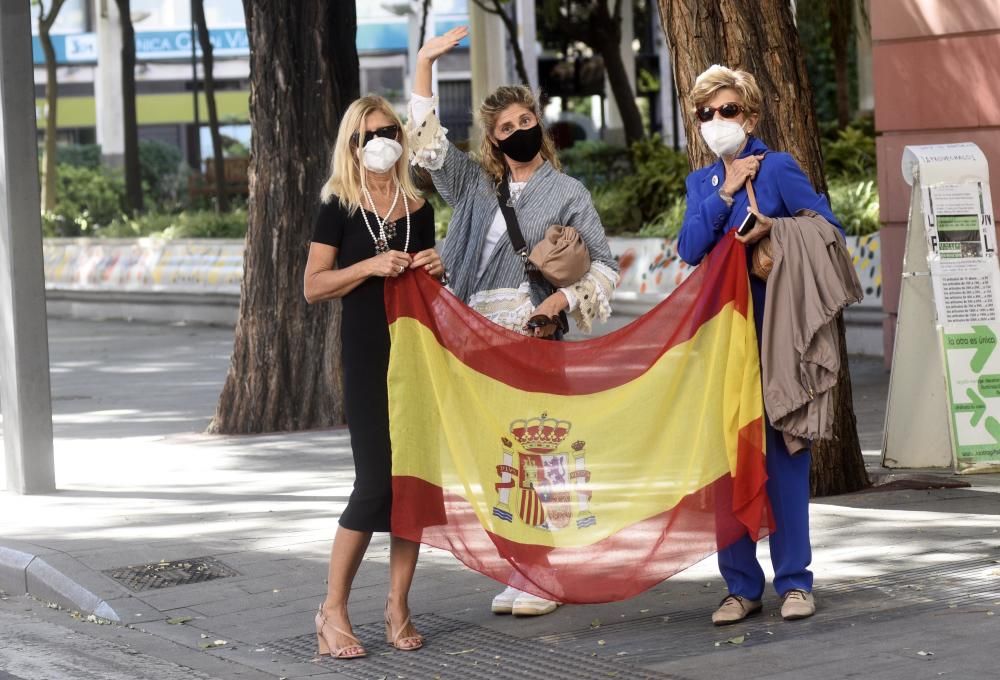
542	321
389	132
728	110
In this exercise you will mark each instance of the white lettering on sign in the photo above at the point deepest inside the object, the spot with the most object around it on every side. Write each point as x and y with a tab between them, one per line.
81	47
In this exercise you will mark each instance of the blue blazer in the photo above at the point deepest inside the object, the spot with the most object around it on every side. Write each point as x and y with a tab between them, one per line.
781	188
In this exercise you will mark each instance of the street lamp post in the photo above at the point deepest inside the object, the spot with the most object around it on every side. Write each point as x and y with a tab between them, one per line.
25	392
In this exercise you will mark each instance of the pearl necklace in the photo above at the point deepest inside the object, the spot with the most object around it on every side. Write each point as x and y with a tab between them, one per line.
382	240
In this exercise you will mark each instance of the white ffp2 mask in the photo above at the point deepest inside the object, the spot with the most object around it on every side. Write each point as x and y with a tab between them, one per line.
380	154
724	137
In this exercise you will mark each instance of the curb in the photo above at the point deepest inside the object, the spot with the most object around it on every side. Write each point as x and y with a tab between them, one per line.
23	573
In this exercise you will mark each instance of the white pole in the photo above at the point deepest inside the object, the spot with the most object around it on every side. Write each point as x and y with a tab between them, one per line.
108	85
24	349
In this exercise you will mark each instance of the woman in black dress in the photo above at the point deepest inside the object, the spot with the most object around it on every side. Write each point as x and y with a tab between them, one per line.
372	225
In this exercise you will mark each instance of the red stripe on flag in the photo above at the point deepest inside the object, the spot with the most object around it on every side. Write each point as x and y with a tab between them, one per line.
620	566
575	367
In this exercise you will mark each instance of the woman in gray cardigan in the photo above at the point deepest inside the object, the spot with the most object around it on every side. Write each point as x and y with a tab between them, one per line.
482	266
483	269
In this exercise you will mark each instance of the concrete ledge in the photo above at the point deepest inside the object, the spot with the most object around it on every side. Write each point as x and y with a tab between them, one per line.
27	573
213	309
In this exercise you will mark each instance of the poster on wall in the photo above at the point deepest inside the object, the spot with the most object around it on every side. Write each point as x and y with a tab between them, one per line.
972	365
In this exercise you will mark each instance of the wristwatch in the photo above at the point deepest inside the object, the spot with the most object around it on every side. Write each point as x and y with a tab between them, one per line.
728	200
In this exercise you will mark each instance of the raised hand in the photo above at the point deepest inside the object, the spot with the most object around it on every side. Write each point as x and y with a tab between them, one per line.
438	45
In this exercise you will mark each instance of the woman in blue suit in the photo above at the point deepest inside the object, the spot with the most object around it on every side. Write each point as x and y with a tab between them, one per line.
727	104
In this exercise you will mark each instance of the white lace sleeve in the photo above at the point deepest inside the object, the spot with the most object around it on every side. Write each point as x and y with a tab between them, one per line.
592	296
427	138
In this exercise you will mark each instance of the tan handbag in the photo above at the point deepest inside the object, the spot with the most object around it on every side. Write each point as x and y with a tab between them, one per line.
761	261
561	256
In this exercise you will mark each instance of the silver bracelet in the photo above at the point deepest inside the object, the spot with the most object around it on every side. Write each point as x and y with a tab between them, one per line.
728	200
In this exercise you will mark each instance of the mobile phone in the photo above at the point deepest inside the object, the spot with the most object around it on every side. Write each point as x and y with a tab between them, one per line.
748	224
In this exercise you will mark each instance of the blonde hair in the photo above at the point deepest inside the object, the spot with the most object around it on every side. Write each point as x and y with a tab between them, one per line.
716	78
490	156
347	172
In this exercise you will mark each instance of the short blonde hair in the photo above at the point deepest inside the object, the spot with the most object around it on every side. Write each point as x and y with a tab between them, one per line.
716	78
490	156
347	172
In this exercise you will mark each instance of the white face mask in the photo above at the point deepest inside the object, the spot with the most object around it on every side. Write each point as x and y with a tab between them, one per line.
724	137
380	154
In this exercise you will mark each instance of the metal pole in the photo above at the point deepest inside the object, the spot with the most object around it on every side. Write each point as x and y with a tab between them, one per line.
24	350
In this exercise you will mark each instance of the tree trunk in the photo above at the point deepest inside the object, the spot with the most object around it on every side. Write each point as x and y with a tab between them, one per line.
49	166
621	90
841	16
605	38
221	197
761	38
424	11
285	372
133	177
496	7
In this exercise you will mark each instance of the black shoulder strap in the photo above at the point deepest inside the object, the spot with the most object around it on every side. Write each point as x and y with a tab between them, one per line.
510	217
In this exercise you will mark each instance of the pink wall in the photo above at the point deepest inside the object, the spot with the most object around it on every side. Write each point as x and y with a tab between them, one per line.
936	72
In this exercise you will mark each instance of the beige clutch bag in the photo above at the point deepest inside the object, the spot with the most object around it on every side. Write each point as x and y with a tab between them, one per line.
562	256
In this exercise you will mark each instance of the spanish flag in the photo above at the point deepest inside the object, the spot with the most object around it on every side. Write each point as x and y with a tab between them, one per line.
579	471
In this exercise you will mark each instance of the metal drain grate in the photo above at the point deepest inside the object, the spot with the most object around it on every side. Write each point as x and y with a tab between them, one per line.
167	574
460	651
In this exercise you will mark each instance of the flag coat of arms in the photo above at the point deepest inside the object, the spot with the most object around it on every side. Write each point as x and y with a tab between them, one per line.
579	471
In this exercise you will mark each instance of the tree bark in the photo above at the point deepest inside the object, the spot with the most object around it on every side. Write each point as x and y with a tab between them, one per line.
221	197
606	39
600	28
50	168
760	37
133	177
285	372
424	11
841	16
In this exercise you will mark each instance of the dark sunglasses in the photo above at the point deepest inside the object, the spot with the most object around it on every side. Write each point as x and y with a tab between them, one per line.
542	321
389	132
727	110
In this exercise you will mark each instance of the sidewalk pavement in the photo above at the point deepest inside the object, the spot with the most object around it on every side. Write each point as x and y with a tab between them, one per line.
907	580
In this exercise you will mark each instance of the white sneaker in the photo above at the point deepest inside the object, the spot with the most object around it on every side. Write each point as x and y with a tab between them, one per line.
527	604
504	602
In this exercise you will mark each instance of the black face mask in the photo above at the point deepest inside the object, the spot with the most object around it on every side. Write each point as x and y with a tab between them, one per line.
523	145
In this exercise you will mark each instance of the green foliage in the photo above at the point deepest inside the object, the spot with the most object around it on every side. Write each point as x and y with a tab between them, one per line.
637	192
595	163
668	223
850	154
79	155
856	205
188	224
86	199
442	214
812	18
163	173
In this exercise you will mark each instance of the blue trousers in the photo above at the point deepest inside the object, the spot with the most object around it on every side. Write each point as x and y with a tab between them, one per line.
791	553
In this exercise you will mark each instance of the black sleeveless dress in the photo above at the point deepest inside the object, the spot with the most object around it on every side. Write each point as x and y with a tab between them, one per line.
364	336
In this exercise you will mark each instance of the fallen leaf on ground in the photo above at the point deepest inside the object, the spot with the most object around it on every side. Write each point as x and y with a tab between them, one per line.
213	644
923	653
178	620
